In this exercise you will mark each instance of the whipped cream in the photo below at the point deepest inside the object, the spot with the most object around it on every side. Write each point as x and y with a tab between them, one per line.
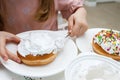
39	44
109	40
96	72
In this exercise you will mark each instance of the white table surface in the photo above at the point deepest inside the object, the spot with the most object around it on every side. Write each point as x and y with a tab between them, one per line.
7	75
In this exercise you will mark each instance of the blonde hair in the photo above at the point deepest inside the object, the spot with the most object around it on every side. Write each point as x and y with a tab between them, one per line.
45	10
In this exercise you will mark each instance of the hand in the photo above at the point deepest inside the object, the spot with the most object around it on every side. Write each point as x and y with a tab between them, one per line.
77	23
4	53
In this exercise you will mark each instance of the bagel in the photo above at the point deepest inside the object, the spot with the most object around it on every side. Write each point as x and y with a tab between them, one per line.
37	60
108	45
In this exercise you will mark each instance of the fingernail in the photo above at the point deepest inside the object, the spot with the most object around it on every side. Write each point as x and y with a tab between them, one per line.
18	60
5	58
70	31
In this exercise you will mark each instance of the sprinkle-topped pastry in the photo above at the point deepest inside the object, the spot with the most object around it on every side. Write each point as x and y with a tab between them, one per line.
109	41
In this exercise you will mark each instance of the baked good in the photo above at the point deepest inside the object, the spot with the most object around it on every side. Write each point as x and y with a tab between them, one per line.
38	49
38	59
107	43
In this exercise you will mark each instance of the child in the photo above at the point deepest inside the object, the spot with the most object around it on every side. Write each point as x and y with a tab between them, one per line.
22	15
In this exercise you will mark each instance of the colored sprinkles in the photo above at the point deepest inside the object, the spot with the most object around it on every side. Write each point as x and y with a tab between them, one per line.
109	40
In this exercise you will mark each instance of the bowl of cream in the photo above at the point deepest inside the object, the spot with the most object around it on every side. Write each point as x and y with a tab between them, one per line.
92	67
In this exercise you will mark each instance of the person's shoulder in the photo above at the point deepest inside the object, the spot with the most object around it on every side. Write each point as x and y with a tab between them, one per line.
62	3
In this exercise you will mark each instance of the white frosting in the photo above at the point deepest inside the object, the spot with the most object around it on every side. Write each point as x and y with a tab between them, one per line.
40	44
96	72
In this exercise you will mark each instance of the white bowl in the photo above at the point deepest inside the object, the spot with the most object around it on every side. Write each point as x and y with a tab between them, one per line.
93	67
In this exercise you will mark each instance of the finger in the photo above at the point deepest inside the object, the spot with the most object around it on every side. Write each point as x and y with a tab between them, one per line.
79	31
2	48
72	33
82	30
75	29
70	23
13	38
84	27
13	57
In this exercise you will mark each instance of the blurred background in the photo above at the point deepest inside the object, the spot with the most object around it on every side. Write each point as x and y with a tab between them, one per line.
101	14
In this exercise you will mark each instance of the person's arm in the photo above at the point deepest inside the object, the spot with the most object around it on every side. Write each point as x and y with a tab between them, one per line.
77	23
74	12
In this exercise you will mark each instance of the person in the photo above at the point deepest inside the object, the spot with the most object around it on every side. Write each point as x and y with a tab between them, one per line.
23	15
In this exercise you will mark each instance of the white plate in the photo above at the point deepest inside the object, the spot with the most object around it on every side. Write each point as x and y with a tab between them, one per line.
84	42
7	75
83	62
68	53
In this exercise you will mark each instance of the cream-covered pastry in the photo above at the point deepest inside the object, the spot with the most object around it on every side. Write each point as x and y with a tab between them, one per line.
39	44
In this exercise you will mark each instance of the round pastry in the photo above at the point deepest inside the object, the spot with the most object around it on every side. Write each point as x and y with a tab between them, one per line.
38	49
38	59
107	43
